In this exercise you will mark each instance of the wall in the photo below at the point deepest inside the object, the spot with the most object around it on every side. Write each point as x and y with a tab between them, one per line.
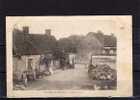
21	65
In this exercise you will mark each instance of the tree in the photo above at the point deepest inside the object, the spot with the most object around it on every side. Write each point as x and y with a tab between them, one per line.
70	44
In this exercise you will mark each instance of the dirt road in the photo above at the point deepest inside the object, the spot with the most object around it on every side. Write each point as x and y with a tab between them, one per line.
73	79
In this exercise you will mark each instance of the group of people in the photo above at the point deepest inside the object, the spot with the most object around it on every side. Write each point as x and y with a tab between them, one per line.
46	66
67	63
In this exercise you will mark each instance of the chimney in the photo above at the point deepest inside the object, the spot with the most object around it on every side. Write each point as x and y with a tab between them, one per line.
48	32
25	29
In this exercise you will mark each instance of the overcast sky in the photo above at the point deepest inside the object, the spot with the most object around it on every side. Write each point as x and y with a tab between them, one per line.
64	26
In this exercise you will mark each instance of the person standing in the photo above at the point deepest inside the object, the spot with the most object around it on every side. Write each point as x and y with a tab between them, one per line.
73	62
31	69
51	67
47	64
62	63
24	79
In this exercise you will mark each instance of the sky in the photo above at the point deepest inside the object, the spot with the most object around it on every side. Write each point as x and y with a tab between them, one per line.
64	26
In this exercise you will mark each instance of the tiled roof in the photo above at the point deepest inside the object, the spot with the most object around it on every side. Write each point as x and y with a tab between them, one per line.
110	41
106	40
29	44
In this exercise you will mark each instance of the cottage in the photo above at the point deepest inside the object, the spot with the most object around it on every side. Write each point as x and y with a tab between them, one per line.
28	50
110	43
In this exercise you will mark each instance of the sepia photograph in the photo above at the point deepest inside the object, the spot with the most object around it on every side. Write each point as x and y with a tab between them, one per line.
69	56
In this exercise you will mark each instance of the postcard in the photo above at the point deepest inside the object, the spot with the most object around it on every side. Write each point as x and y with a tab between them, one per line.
69	56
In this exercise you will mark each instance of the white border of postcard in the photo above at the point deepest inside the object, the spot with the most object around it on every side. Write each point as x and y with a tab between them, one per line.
124	61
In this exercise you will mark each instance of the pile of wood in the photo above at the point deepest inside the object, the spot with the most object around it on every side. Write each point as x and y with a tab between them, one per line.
101	72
